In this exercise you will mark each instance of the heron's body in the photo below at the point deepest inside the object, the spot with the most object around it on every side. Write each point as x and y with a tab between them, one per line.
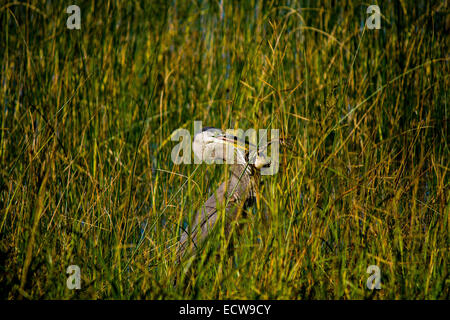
232	195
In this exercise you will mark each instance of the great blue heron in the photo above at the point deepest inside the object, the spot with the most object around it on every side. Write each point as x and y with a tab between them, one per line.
210	145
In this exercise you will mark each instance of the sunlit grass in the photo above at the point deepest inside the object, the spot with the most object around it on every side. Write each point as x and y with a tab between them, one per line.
85	149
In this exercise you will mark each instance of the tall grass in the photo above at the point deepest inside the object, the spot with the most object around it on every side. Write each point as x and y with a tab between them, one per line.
86	173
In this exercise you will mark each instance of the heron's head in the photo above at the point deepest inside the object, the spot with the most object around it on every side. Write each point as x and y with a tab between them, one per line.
213	145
